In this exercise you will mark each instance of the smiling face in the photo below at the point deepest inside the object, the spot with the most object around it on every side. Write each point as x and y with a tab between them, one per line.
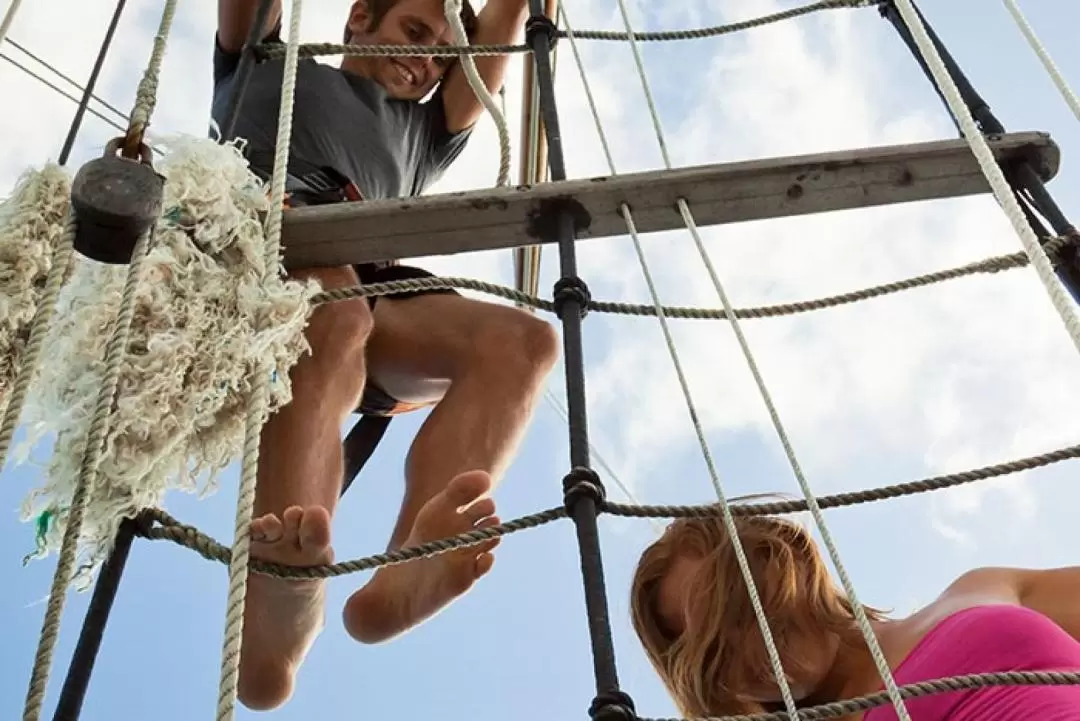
400	22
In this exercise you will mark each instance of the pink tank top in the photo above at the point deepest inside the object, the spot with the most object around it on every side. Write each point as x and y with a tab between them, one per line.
988	639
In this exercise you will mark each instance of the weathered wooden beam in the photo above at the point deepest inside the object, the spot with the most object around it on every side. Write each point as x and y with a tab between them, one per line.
462	222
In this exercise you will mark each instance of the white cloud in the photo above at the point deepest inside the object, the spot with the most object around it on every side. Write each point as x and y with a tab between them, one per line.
937	379
945	378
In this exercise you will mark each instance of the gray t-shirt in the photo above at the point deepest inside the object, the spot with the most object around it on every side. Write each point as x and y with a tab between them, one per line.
389	148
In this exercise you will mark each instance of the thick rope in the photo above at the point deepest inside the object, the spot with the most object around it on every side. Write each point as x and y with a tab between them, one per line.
994	264
258	398
861	619
39	330
726	515
146	95
728	29
95	445
714	475
994	175
969	682
452	8
315	49
169	529
9	19
1044	56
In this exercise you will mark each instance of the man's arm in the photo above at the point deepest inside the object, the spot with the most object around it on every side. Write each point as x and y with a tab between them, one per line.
235	18
499	23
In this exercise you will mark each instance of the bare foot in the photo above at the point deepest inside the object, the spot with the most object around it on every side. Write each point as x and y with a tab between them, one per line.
282	618
402	597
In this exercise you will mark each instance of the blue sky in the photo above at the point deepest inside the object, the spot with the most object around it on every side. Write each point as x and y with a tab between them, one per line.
929	382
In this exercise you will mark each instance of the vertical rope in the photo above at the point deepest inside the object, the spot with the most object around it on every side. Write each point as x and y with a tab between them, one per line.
9	18
258	400
994	175
95	444
39	329
146	95
1044	55
726	514
452	9
860	615
861	619
728	517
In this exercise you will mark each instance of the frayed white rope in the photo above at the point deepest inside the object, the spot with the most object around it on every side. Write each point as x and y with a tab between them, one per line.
193	344
94	446
95	442
24	248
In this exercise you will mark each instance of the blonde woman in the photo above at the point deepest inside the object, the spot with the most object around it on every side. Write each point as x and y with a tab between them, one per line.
692	612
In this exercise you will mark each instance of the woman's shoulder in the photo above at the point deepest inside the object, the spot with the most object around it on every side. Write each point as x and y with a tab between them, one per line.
986	586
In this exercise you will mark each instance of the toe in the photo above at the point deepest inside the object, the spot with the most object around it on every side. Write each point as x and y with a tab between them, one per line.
291	519
315	529
484	562
480	510
266	529
489	545
467	487
264	685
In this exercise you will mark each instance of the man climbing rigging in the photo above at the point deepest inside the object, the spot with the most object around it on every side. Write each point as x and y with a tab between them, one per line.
360	131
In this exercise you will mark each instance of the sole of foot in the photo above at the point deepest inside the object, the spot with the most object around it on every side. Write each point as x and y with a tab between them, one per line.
282	617
402	597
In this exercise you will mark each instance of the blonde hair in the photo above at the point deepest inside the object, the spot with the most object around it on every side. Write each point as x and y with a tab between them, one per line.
712	667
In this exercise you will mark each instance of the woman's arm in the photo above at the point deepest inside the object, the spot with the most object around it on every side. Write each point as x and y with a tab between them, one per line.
1054	592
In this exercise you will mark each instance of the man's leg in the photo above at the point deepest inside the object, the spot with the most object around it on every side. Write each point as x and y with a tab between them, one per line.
300	473
496	359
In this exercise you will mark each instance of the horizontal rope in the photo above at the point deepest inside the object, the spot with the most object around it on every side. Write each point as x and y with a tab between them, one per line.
266	52
169	529
996	264
968	682
853	498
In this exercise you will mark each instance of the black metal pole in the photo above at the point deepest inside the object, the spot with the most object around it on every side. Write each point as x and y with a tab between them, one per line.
582	486
1022	177
91	83
243	70
81	667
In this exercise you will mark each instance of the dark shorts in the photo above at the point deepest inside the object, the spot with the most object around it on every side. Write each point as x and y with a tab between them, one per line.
375	401
370	273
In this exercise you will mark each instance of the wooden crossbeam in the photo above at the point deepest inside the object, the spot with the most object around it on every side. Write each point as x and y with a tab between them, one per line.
450	223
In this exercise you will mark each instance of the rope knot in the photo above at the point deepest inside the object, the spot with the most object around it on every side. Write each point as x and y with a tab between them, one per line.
541	25
613	706
1060	247
582	483
572	289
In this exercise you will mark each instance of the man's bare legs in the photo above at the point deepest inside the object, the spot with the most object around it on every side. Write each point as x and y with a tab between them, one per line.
496	359
300	472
